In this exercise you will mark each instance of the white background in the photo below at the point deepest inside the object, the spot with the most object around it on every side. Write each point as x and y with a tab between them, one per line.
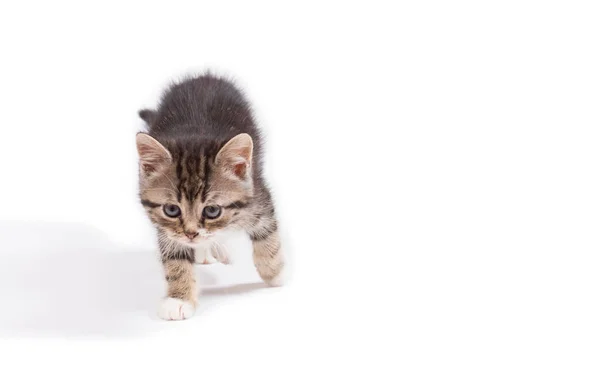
435	167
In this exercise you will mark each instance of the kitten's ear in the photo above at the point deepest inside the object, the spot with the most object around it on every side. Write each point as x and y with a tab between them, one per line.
148	115
236	155
153	155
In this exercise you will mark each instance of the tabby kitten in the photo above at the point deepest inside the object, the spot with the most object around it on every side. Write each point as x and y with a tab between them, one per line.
200	175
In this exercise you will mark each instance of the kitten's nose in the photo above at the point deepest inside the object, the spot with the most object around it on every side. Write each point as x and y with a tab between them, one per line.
191	235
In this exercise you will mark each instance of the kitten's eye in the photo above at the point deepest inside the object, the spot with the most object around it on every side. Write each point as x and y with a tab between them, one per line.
212	212
172	210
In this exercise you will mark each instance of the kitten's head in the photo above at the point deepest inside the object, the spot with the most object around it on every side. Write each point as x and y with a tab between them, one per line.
193	189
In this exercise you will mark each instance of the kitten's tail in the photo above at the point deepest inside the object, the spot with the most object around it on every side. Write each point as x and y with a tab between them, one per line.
148	115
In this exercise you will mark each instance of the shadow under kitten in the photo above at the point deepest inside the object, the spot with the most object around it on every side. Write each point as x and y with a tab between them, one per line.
64	280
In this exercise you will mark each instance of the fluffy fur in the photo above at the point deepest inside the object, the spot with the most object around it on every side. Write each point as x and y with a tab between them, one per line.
203	151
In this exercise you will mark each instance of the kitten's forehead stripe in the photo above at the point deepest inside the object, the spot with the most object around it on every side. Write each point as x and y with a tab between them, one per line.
191	178
200	173
197	190
201	167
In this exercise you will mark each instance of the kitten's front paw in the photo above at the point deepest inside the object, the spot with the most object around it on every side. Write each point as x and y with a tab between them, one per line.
215	253
276	281
208	259
174	309
218	253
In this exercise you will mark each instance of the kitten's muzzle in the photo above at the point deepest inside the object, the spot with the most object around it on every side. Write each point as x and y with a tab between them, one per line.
192	235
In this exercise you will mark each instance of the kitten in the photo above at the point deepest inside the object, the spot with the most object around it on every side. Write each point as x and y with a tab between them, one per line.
200	175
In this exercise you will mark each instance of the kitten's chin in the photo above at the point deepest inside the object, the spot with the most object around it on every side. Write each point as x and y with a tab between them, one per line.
193	244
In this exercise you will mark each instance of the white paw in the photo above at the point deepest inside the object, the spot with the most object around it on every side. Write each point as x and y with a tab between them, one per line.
211	254
209	259
277	281
174	309
218	253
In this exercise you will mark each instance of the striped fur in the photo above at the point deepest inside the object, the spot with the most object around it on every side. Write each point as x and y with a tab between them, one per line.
204	149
